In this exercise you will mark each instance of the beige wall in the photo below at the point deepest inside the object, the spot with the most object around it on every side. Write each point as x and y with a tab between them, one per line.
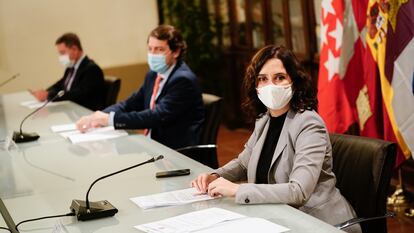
113	33
132	76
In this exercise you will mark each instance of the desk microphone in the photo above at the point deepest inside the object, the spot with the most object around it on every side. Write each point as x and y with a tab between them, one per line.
19	136
85	210
8	80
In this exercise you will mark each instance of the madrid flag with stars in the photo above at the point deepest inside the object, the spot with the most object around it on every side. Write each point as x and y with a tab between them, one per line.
366	69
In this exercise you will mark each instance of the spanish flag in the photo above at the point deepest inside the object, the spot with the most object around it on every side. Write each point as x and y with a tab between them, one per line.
390	39
365	82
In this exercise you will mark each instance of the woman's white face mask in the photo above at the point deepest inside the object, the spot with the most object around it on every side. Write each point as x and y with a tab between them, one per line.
274	96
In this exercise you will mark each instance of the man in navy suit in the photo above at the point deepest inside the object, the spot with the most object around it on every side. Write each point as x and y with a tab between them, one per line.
83	80
168	105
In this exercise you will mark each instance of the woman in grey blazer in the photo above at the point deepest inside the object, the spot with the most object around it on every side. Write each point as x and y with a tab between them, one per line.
288	158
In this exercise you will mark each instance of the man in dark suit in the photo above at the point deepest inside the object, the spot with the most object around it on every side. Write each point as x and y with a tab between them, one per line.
168	105
83	80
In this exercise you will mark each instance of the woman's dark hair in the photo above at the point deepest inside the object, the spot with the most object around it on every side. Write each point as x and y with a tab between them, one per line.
304	92
173	37
69	39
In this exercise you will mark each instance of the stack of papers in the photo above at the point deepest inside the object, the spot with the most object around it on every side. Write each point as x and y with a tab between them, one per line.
178	197
32	104
211	220
70	132
63	128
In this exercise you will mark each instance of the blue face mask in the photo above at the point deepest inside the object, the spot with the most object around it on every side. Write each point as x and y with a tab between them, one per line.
157	62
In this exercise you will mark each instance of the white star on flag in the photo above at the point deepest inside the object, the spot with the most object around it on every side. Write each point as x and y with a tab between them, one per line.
332	65
324	31
327	7
337	34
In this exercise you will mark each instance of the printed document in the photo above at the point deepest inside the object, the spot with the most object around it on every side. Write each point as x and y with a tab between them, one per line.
178	197
62	128
70	132
211	220
32	104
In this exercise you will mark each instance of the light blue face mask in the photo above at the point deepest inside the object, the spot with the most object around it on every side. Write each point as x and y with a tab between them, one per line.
157	62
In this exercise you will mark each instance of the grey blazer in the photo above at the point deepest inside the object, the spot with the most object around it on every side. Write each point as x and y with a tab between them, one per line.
300	173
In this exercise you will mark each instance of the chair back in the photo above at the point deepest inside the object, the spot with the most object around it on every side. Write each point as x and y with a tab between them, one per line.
363	168
206	150
112	85
213	111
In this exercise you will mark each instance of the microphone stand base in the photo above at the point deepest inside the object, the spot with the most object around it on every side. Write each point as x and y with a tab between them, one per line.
24	137
97	209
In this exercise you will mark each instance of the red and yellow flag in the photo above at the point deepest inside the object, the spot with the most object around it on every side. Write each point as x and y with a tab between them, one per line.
390	39
358	56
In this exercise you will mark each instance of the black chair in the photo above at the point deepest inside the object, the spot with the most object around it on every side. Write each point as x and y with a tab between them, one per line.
112	85
206	151
363	168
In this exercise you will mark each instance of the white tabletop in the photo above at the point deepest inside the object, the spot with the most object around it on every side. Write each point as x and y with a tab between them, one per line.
41	178
2	222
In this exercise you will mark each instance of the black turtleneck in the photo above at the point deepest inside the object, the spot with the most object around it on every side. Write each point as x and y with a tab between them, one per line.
269	146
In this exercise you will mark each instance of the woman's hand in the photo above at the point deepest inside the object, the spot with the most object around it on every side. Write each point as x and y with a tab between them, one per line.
222	187
202	181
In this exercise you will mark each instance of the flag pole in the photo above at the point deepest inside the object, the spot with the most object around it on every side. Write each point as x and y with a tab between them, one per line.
398	197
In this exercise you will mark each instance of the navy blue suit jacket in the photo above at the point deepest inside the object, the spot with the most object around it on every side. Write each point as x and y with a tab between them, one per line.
178	115
88	86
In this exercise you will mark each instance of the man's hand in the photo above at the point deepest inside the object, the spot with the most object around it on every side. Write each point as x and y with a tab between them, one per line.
40	95
95	120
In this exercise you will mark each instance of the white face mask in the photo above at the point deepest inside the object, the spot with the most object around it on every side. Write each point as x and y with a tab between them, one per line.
65	60
275	96
157	62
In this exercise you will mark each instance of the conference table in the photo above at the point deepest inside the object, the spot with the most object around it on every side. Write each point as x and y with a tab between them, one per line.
42	178
2	222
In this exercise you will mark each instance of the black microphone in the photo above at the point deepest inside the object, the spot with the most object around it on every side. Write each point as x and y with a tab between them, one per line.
356	220
85	210
19	136
8	80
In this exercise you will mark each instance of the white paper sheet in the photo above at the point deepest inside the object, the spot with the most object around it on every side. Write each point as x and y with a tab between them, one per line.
191	221
245	225
29	102
75	136
62	128
32	104
212	220
66	134
178	197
